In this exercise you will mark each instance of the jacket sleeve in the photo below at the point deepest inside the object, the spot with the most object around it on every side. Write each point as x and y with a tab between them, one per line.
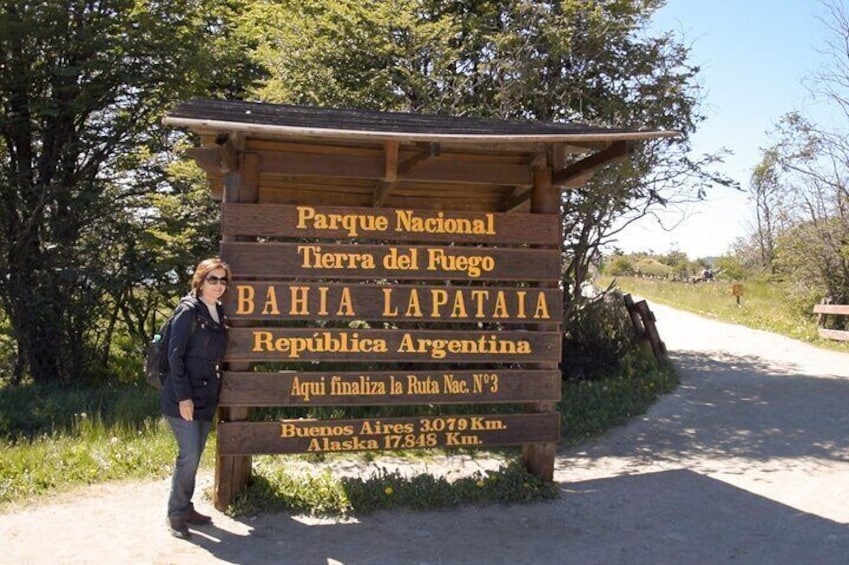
181	332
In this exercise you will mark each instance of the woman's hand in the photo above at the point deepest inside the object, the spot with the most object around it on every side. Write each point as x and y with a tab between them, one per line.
187	409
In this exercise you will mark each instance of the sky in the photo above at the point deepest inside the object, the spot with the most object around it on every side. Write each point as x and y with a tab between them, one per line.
754	56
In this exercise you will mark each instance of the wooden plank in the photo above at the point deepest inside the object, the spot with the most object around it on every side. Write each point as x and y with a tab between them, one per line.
421	346
837	335
268	301
840	309
336	222
394	262
401	197
377	388
315	436
651	333
636	321
368	167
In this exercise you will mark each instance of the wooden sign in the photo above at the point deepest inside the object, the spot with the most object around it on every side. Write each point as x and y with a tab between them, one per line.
372	388
423	346
343	261
250	300
276	220
325	436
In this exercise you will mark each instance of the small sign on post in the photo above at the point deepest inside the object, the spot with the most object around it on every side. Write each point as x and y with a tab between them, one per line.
737	291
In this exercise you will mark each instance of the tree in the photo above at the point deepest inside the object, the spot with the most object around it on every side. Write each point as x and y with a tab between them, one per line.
83	86
814	249
766	192
570	60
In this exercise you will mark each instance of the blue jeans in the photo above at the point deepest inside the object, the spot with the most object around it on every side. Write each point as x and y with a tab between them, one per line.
191	439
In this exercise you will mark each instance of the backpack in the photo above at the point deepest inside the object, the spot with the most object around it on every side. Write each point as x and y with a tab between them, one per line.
156	365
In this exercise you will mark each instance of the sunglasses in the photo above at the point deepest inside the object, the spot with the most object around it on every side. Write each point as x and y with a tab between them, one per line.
216	280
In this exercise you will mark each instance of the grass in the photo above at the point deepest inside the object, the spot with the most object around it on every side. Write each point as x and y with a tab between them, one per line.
54	439
770	306
88	453
590	408
276	489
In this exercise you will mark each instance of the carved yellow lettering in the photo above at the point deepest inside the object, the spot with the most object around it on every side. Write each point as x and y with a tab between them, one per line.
500	306
304	213
346	306
299	301
270	305
459	310
322	300
520	301
262	341
542	308
480	297
245	302
388	308
414	309
440	299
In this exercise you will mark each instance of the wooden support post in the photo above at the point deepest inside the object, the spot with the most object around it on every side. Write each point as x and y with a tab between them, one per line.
538	458
233	473
635	316
651	334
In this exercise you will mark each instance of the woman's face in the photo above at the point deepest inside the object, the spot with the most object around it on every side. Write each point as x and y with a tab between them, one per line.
214	285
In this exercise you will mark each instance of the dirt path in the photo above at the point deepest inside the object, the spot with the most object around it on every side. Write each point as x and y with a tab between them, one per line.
748	461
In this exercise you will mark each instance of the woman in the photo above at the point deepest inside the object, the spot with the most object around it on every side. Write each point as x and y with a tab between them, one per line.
189	395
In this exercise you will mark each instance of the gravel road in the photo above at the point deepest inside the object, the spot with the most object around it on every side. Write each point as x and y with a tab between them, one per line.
747	462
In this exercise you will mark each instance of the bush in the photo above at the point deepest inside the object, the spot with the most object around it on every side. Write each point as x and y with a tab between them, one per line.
599	341
31	410
619	265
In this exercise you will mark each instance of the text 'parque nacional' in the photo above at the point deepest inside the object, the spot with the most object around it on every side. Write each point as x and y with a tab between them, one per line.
357	225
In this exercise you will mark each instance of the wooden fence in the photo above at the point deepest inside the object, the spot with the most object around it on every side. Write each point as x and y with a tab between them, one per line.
823	312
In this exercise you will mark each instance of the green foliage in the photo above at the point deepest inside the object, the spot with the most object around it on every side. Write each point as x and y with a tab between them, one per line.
731	268
82	149
91	452
378	55
619	265
274	489
54	438
600	341
589	408
32	410
651	267
638	264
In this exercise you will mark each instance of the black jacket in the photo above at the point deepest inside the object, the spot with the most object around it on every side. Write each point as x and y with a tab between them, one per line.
194	359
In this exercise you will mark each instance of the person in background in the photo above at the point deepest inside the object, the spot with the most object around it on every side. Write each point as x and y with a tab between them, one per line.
189	395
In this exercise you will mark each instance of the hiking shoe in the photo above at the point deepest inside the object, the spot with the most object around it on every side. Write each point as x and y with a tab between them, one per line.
195	517
178	528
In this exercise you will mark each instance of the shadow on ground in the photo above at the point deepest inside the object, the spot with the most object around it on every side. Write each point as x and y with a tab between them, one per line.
741	407
760	414
666	517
